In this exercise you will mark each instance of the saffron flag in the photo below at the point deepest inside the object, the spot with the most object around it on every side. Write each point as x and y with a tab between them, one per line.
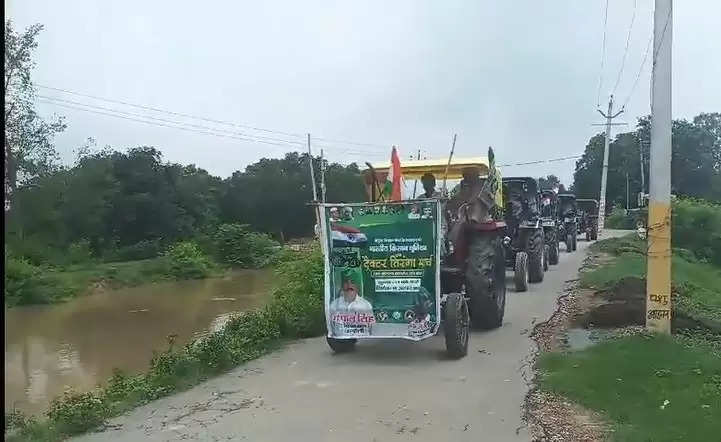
392	188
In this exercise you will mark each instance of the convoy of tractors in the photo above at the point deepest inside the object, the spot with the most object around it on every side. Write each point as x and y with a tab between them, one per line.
490	224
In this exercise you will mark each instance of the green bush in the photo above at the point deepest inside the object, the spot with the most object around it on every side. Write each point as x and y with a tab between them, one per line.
142	250
297	303
187	261
26	283
76	413
618	219
79	252
696	226
235	245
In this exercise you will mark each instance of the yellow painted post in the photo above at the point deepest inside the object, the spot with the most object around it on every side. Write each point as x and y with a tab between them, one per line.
658	276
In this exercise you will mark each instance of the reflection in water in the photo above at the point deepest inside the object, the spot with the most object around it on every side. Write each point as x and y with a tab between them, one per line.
77	344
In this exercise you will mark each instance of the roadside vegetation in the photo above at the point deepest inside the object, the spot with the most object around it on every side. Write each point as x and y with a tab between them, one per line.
295	311
652	387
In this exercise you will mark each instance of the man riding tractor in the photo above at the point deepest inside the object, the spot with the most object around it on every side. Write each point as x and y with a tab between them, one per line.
588	222
549	220
473	258
526	251
568	212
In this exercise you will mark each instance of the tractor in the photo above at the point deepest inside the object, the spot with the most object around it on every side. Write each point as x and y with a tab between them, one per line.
526	250
568	219
473	255
588	218
549	220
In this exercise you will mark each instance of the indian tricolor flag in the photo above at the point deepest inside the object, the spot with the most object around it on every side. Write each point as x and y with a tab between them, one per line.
392	188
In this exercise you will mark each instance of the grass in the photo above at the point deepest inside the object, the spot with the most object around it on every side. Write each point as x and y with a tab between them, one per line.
697	283
629	379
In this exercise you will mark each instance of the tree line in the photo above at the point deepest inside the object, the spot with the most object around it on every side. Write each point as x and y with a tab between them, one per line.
118	199
695	162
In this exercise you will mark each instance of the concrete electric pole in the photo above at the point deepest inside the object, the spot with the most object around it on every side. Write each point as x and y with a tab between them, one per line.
604	174
658	275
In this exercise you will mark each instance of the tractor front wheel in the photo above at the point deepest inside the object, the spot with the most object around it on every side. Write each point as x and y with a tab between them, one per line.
536	256
455	327
341	345
520	272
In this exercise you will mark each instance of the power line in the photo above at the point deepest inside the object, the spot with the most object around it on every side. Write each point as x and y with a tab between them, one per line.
603	56
625	51
183	125
553	160
209	120
198	126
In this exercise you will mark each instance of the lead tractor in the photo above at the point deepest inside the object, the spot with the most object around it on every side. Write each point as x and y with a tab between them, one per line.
549	220
588	218
568	218
471	254
526	250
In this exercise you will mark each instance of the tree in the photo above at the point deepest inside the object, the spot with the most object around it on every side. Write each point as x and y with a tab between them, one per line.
695	163
549	182
29	150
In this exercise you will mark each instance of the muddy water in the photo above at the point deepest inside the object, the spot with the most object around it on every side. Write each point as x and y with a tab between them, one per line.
77	344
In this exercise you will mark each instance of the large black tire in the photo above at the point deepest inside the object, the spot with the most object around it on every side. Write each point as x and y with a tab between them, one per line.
575	243
455	327
569	242
520	272
486	280
341	345
554	252
588	235
534	246
594	233
546	254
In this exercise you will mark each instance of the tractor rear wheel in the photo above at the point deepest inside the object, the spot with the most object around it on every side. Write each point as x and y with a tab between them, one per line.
569	242
486	280
455	327
536	255
520	272
546	254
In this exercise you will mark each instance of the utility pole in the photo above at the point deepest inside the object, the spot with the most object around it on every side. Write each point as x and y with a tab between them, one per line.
643	175
658	274
312	174
604	174
322	176
415	183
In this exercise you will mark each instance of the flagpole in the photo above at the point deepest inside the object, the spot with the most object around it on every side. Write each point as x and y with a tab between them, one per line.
450	157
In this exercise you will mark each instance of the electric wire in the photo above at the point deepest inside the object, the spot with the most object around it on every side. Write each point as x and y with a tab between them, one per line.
603	57
625	51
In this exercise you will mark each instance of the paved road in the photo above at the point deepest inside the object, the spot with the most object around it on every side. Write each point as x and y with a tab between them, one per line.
384	391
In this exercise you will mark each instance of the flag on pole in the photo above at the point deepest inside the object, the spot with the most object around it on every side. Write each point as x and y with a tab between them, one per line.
392	188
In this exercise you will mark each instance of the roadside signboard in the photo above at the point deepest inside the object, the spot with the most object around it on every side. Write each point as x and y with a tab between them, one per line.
382	269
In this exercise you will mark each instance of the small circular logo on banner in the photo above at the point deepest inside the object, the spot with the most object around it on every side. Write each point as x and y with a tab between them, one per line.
410	315
382	316
397	315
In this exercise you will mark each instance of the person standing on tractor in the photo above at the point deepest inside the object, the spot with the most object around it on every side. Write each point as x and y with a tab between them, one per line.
429	186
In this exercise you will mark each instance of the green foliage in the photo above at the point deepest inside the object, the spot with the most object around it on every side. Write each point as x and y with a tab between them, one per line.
618	219
695	163
235	245
26	283
187	261
697	227
144	249
629	379
79	252
76	413
297	303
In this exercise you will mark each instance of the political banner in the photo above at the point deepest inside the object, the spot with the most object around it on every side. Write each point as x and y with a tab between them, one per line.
382	269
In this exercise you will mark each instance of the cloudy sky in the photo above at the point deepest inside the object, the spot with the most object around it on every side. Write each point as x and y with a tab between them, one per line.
521	76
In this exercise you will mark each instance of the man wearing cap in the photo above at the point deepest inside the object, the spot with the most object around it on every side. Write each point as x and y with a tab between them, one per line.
349	298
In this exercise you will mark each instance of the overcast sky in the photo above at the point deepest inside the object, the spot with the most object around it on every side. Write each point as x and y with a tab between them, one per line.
521	76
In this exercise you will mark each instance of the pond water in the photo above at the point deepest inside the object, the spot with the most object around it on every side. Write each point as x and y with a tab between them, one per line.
77	344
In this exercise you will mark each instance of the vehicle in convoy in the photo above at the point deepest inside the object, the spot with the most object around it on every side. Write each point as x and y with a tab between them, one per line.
526	250
549	220
423	261
568	213
588	218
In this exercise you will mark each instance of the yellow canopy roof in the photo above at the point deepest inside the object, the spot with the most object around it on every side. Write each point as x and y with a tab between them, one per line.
415	169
